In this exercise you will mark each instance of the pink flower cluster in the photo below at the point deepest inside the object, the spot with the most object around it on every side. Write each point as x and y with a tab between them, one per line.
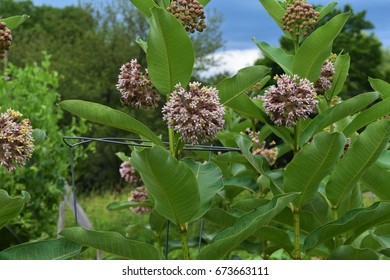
129	174
140	194
291	100
135	87
324	82
16	141
196	114
259	149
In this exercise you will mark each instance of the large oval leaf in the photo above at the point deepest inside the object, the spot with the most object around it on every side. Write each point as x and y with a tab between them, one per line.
10	207
112	242
101	114
59	249
170	54
275	10
246	225
380	86
210	182
171	183
377	179
317	47
370	115
363	153
357	219
277	55
311	164
337	113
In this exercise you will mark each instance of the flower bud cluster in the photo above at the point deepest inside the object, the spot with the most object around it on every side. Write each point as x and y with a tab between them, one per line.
300	19
5	39
190	13
135	87
129	174
291	100
259	149
324	82
16	141
196	114
140	194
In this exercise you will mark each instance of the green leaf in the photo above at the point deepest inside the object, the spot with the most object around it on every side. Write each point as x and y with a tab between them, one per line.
112	242
170	54
39	136
337	113
325	10
368	116
171	183
377	179
101	114
246	225
58	249
277	55
258	162
220	217
347	252
340	75
317	47
275	10
204	2
277	236
356	220
209	178
232	91
142	44
15	21
311	164
380	86
144	6
362	154
157	222
10	207
116	206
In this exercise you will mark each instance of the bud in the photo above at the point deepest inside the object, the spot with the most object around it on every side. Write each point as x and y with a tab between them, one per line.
259	149
190	14
140	194
5	39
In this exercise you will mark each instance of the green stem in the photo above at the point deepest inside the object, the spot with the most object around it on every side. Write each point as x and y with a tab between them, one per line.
184	243
171	135
297	241
296	137
335	215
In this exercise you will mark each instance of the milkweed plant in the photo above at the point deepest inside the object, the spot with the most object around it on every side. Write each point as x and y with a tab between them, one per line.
304	174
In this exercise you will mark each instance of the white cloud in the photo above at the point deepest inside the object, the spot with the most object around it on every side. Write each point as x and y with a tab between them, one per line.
232	61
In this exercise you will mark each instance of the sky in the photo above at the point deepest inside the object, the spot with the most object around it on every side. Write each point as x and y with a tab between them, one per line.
247	19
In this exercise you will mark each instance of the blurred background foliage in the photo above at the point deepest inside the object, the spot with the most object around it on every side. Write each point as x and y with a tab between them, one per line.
75	53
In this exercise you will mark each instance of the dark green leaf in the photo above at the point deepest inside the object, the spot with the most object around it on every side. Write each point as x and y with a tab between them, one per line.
10	207
170	54
112	242
311	164
58	249
171	183
377	179
107	116
348	252
362	154
221	217
340	75
245	226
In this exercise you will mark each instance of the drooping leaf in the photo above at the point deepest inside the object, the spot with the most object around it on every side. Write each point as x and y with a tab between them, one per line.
209	178
337	113
340	75
317	47
358	220
311	164
101	114
170	54
10	207
362	154
246	225
232	91
377	179
15	21
370	115
58	249
112	242
347	252
380	86
142	44
144	6
277	55
172	184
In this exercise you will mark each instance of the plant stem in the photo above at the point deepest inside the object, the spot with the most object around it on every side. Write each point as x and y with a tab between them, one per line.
296	137
171	135
184	243
297	241
335	214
